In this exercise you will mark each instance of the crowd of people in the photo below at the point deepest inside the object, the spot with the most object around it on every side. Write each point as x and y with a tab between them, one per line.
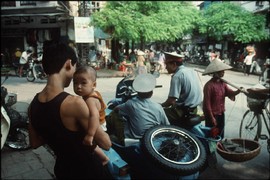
75	126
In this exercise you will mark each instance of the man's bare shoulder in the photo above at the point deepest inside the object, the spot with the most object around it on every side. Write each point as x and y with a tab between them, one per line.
74	113
74	103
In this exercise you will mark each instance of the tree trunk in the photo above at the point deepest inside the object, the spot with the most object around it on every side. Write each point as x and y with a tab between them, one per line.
132	45
142	42
127	47
115	50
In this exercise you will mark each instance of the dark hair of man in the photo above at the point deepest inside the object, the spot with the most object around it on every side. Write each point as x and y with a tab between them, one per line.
145	94
178	63
87	69
55	55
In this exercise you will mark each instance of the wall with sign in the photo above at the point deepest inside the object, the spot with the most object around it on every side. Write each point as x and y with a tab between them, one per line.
84	33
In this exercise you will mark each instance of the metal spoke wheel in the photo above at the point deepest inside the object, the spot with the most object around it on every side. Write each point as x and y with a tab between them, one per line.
174	149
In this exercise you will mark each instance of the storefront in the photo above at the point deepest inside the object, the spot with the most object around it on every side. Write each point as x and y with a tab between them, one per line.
26	26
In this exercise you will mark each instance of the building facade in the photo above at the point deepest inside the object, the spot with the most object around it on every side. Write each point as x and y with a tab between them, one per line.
27	24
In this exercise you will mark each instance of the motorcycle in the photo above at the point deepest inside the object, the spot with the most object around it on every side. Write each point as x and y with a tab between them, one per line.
164	151
14	121
35	70
16	66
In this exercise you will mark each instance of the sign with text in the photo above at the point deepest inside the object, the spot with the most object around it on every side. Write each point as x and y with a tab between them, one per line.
84	33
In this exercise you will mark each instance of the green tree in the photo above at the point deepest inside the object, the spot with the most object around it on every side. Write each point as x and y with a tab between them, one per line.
147	21
223	20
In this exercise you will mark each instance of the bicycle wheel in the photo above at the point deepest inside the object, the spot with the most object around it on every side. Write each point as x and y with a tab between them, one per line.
251	126
30	76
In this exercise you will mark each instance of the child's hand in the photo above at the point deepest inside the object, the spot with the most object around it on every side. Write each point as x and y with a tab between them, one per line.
88	140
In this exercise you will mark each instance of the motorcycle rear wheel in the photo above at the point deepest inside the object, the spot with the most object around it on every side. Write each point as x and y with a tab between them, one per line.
18	139
174	149
30	76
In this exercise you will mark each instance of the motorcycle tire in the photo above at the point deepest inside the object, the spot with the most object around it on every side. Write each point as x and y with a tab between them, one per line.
18	138
174	149
30	76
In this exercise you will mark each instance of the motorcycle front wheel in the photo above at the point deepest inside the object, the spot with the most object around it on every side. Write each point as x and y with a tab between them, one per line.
18	138
174	149
30	76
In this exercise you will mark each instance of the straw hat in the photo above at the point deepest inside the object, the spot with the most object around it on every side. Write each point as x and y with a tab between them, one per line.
140	53
215	66
144	83
173	56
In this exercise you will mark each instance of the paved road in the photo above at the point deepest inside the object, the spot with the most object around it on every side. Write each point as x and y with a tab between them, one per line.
38	164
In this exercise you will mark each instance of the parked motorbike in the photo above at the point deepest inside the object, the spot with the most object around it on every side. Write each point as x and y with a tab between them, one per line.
164	151
14	121
35	70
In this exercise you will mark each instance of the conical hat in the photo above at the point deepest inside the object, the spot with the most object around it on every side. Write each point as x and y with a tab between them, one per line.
215	66
140	53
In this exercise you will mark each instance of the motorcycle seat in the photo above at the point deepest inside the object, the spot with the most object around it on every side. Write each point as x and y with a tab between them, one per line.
194	120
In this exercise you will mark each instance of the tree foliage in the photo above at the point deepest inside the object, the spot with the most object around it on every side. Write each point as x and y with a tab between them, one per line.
147	20
222	20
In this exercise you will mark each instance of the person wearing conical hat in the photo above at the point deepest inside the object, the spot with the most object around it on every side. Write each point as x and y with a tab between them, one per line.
185	92
141	68
215	91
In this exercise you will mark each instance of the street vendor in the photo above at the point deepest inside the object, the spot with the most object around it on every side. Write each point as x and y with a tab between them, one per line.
215	91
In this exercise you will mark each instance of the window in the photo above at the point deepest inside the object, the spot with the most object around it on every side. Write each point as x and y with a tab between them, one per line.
27	3
259	3
8	3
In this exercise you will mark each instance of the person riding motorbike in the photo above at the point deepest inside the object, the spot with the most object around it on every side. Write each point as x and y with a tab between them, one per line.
185	93
39	59
140	113
24	60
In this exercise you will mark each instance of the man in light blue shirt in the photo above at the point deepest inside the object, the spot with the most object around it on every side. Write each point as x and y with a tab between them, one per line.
141	113
185	93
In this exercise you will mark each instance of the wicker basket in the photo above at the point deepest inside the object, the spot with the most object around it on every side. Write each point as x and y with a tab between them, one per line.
253	148
255	104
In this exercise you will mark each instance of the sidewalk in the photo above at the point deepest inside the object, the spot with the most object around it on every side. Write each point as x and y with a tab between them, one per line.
30	164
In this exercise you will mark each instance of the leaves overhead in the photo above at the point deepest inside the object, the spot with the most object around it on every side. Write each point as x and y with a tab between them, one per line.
171	20
225	19
148	20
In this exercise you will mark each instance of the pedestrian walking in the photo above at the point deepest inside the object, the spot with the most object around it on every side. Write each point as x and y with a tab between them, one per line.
248	62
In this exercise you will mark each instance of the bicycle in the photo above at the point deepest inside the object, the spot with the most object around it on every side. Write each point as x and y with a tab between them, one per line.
251	123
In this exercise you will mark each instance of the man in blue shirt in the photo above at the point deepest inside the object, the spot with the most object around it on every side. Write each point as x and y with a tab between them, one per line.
140	113
185	93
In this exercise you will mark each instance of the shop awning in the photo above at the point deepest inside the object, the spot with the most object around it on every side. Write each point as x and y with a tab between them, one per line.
98	33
